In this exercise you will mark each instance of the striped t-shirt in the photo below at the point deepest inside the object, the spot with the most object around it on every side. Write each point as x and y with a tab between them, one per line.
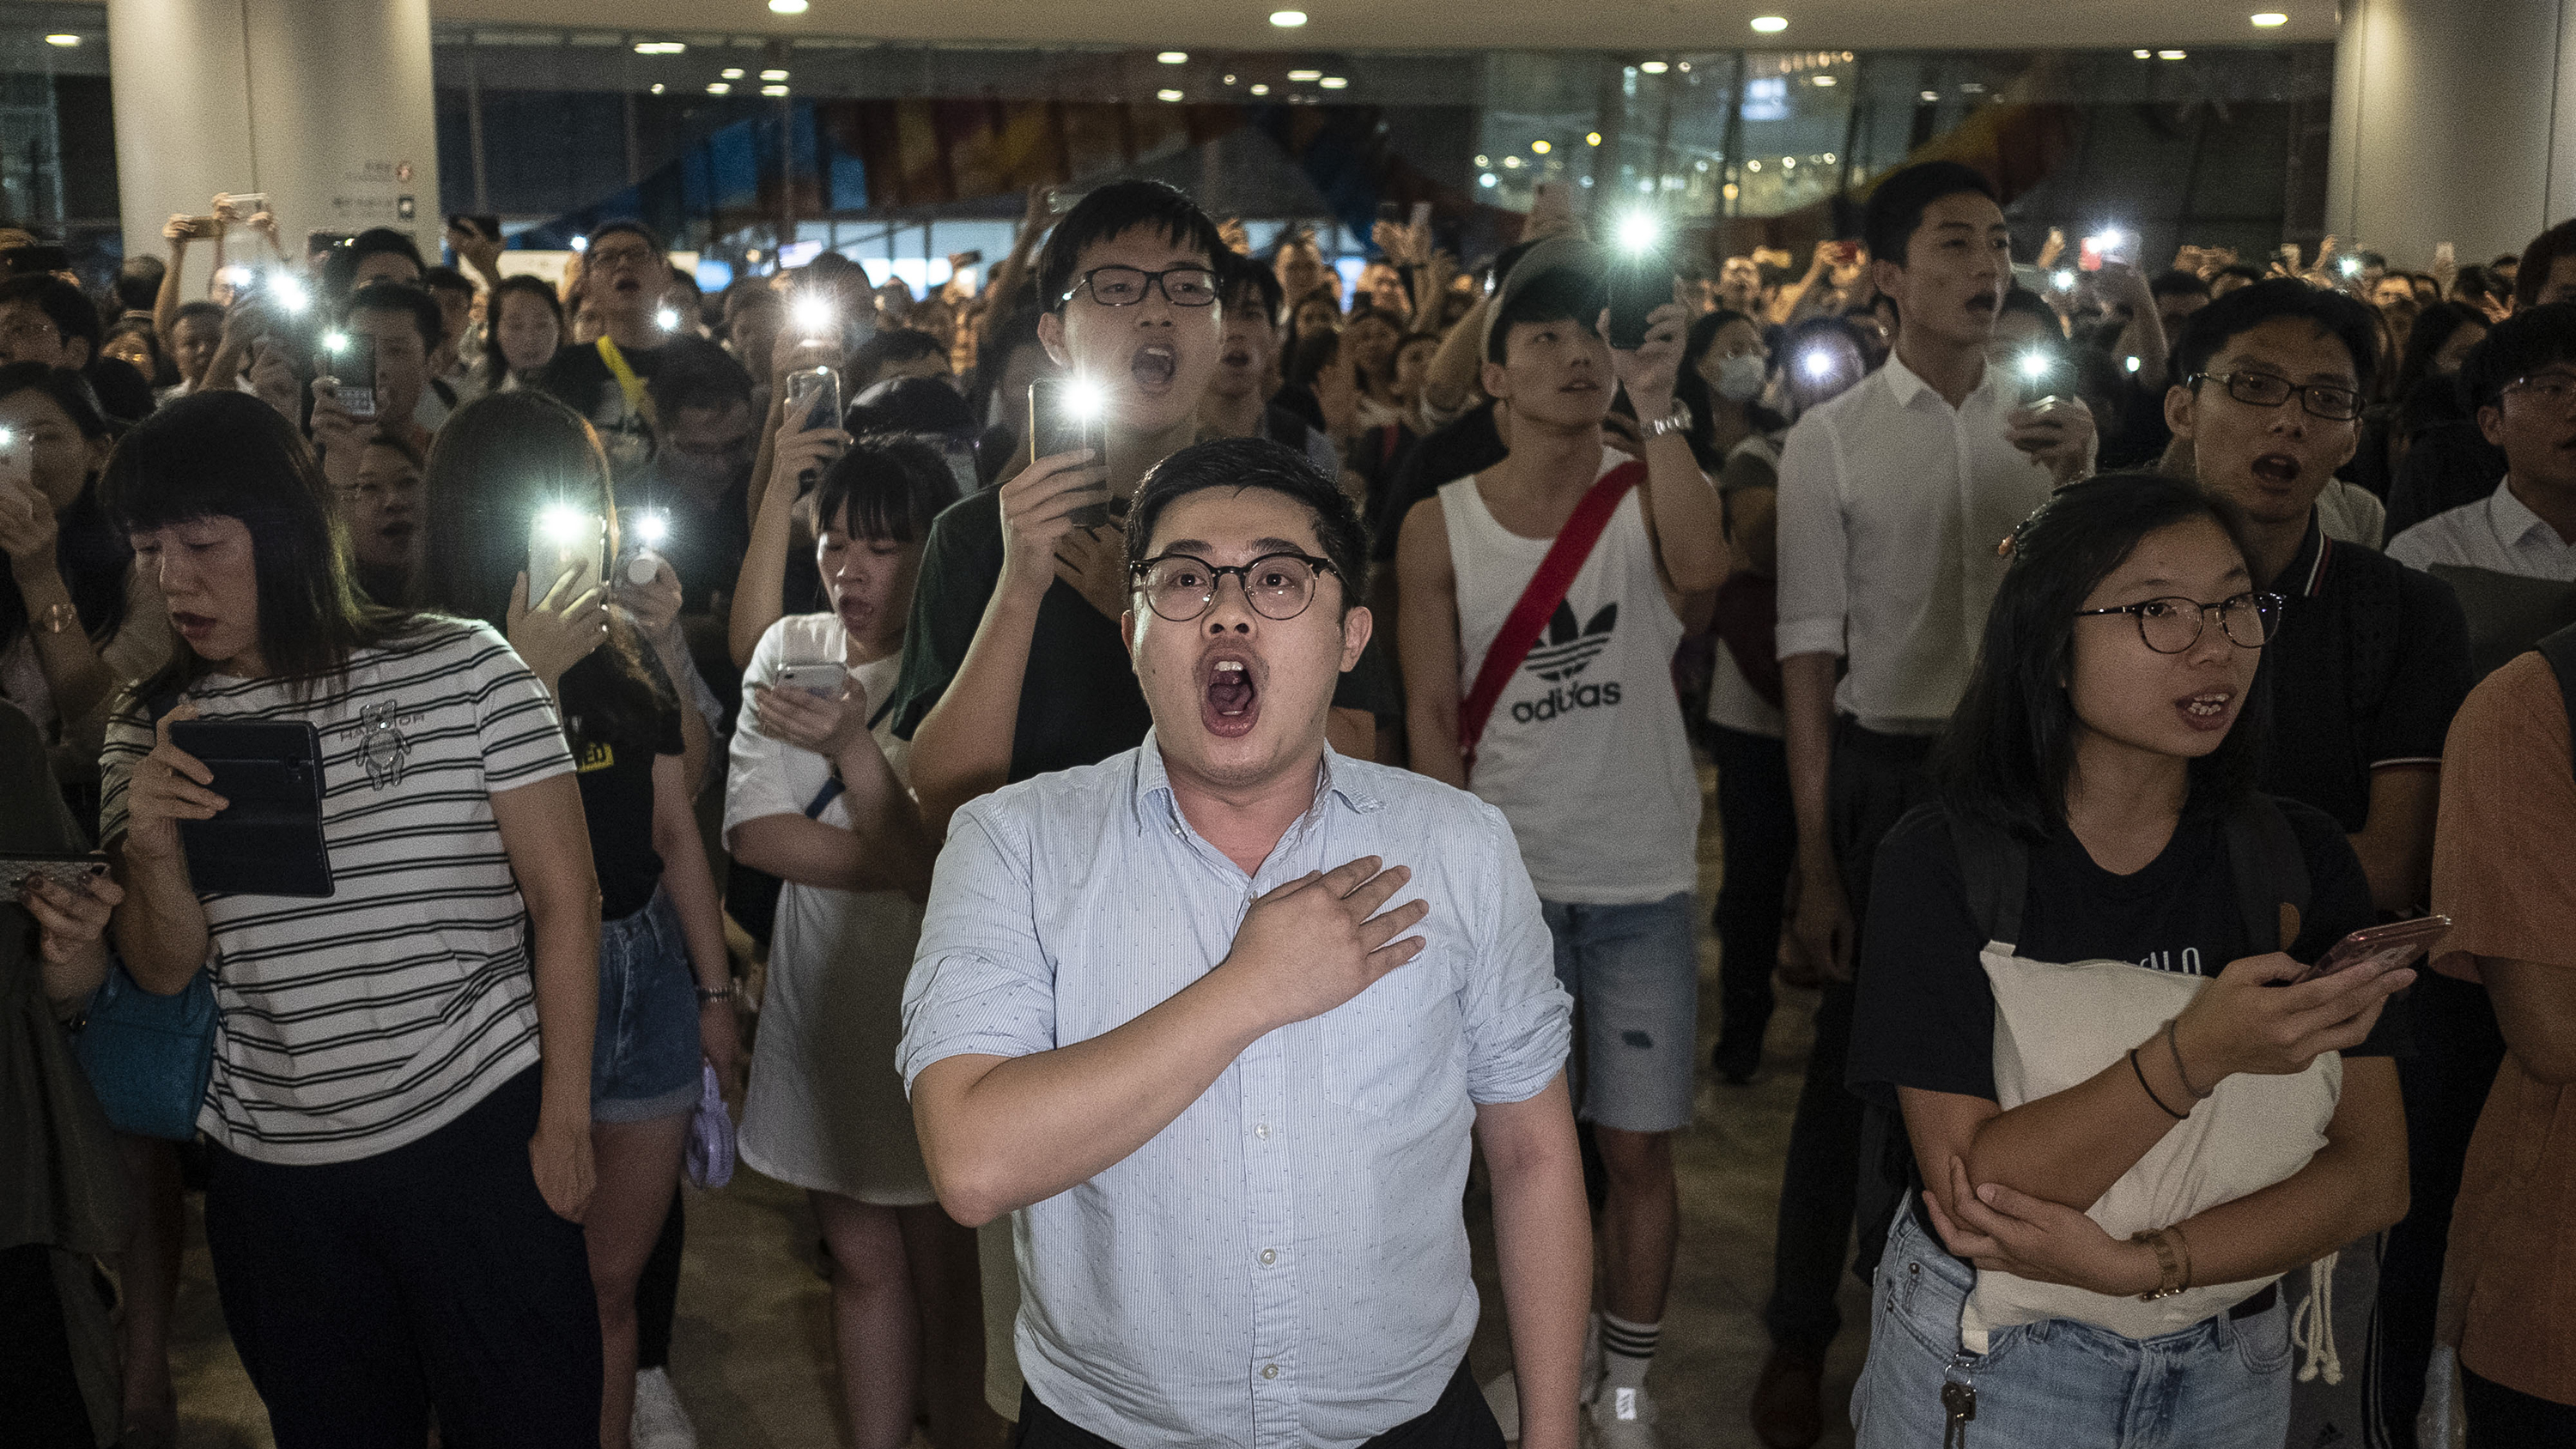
354	1023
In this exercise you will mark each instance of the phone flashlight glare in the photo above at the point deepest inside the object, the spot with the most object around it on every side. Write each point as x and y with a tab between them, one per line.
667	319
1639	231
1819	364
561	522
814	316
652	526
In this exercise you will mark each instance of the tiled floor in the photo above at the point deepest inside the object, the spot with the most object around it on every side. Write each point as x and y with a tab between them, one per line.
752	1351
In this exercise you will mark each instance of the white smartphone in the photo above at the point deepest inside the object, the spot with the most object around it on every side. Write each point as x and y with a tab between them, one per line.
823	681
561	540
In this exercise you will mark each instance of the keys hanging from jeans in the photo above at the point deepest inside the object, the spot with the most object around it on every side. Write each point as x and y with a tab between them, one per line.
1958	1405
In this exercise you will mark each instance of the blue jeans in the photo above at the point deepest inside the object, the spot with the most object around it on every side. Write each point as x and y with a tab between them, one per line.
2220	1384
644	1052
1633	972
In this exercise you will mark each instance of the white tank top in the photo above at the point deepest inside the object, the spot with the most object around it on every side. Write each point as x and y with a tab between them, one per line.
1585	752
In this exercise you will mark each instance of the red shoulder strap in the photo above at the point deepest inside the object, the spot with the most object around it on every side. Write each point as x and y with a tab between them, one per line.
1546	590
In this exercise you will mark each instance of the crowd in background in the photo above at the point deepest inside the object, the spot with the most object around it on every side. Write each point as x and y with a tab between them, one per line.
612	858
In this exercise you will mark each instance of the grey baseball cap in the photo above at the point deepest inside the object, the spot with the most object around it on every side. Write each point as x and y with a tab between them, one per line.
1556	254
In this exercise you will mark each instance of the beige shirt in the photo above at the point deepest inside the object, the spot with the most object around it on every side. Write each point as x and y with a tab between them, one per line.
2500	872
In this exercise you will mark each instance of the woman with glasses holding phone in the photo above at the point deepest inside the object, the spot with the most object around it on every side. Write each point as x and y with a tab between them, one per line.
2082	993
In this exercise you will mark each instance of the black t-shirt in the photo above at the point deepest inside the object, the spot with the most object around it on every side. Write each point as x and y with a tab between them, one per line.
579	378
616	779
1471	444
2370	663
1079	701
1925	1014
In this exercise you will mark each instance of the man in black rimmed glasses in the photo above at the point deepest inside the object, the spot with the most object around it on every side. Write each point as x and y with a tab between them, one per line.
1013	665
1215	1020
2368	665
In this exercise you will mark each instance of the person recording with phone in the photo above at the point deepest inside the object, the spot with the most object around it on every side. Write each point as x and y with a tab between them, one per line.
509	473
1012	664
401	1134
375	377
2113	1160
817	796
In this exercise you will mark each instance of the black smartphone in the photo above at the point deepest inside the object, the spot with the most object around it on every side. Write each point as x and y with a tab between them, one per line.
30	260
1640	281
1066	415
267	841
1390	212
353	362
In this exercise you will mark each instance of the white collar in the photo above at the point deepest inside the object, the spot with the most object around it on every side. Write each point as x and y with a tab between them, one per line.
2513	520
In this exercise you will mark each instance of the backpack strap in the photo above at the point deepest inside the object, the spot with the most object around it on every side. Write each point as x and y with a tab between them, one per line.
2560	650
2271	870
1995	867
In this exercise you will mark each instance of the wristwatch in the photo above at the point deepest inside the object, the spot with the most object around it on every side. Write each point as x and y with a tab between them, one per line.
717	993
1676	421
57	618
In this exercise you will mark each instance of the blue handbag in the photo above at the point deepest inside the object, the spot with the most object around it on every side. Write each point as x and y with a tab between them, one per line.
148	1056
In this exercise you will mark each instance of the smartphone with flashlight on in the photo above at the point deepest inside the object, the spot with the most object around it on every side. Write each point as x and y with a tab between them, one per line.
639	545
564	540
1067	415
823	681
17	460
1641	279
353	370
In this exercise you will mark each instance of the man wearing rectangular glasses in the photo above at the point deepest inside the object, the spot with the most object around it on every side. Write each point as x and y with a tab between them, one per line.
1214	1020
2370	661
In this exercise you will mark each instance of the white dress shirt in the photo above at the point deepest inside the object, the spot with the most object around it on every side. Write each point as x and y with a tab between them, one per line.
2497	533
1892	504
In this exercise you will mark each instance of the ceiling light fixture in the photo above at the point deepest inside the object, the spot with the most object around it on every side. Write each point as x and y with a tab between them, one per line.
1335	82
1770	24
1592	138
2269	19
1931	96
1305	75
1287	19
731	72
1823	80
657	88
1174	57
65	41
1167	95
2170	54
659	47
1541	147
719	88
1654	67
1261	90
773	75
786	7
2143	54
773	90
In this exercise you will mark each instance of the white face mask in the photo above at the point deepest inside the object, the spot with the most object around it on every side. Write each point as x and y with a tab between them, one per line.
1739	378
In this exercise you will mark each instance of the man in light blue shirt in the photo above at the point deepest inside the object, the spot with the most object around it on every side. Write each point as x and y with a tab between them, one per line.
1163	1014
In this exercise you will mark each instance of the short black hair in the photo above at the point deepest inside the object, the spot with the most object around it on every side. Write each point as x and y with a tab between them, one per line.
2516	347
1897	204
1244	285
2434	327
138	283
1255	463
2207	332
889	486
200	310
1113	210
702	377
2175	282
925	405
2010	748
62	303
2031	304
1561	294
445	278
2532	272
651	237
402	297
888	346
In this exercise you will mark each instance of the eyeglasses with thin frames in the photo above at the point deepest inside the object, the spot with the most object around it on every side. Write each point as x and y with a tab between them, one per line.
2172	625
1182	588
1127	286
2553	389
2264	390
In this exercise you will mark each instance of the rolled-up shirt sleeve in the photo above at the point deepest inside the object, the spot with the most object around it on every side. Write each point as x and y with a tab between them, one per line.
1519	1019
981	983
1813	595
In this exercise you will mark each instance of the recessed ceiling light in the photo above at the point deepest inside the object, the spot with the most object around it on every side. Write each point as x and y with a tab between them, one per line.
1770	24
732	72
1229	80
773	75
1753	165
1481	161
2169	55
719	88
1305	75
657	88
2143	54
1287	19
1485	180
1174	57
1592	138
773	90
1261	90
659	47
1511	163
787	7
1334	82
1167	95
2270	18
1654	67
1930	96
66	41
1541	147
1823	80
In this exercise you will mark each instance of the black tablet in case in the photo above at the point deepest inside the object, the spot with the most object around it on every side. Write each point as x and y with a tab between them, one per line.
268	839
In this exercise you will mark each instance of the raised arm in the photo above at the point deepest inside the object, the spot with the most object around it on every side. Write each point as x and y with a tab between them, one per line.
759	590
1681	508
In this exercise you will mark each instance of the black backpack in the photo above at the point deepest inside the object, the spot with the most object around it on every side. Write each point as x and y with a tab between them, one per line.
2560	650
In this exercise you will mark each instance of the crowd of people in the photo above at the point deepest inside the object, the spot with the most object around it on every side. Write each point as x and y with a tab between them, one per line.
1125	779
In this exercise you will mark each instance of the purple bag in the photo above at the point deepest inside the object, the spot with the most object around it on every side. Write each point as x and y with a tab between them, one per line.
710	1150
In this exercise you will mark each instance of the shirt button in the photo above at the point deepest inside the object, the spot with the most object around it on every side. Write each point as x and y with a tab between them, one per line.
1178	833
1270	1371
1262	1131
1269	1256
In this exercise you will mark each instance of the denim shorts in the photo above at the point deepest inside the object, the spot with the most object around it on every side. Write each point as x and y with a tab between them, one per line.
1633	972
2222	1383
644	1052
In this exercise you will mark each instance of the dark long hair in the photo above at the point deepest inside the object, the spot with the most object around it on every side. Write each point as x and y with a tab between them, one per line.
2010	748
1702	400
496	366
229	455
2433	328
500	460
89	549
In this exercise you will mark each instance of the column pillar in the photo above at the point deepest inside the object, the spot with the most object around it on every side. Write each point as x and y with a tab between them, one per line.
2453	121
326	105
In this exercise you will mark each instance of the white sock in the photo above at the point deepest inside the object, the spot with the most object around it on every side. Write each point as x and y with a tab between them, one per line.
1627	1350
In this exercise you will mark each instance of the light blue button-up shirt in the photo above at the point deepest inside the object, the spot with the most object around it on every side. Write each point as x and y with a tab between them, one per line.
1286	1262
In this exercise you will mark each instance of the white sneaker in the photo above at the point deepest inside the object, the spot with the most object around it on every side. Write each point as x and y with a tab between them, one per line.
660	1422
1623	1419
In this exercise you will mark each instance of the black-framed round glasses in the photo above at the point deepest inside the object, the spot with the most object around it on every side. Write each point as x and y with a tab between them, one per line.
2172	625
1182	588
1127	286
2263	390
